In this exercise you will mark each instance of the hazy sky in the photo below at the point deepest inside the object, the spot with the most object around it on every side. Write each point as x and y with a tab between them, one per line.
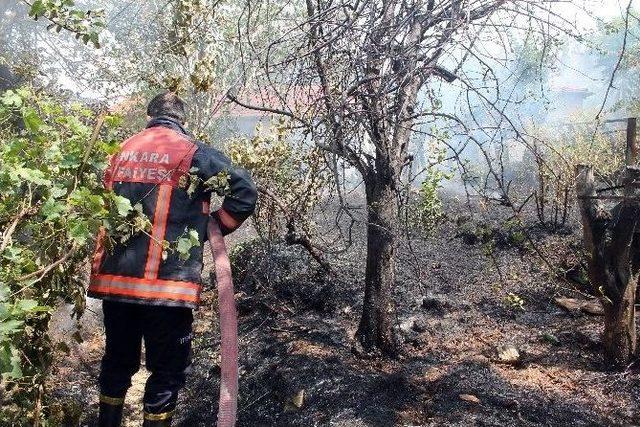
584	11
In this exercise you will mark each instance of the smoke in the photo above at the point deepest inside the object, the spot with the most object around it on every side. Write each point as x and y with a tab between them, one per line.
532	81
554	83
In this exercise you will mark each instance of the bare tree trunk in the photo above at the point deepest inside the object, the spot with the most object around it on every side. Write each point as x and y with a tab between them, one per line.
619	336
375	332
614	264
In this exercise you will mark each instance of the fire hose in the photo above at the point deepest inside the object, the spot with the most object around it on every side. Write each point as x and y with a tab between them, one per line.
228	401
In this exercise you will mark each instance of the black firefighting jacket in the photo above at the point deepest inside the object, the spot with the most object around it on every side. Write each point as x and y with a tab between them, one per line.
154	168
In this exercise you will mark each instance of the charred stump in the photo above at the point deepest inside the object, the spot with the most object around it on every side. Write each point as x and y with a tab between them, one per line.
614	248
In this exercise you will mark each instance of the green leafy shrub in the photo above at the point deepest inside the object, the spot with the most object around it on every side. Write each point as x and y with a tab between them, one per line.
52	204
289	173
425	212
52	207
63	14
429	213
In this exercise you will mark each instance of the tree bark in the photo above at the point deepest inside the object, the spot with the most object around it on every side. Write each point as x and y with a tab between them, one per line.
375	331
619	336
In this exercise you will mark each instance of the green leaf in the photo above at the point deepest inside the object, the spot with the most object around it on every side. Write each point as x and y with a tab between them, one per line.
11	368
194	237
37	9
185	243
92	203
79	232
11	98
52	209
10	326
123	205
57	191
184	248
32	175
12	254
38	169
193	185
93	36
218	183
113	121
29	306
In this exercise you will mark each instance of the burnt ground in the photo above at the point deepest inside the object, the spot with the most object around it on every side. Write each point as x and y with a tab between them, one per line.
459	302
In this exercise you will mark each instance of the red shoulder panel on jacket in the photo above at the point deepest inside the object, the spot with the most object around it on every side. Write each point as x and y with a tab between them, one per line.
157	155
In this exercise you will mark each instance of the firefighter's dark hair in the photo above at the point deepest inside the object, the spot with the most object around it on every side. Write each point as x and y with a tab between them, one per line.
167	104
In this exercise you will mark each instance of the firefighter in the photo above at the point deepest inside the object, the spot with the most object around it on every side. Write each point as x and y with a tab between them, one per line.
148	292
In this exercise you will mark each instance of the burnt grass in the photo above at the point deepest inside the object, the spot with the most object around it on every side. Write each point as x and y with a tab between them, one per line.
461	294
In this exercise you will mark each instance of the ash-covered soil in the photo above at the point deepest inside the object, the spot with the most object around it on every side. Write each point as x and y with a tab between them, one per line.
463	302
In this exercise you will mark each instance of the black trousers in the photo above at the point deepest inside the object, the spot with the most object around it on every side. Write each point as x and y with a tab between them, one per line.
167	337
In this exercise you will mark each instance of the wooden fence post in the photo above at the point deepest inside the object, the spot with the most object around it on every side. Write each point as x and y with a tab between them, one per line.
631	151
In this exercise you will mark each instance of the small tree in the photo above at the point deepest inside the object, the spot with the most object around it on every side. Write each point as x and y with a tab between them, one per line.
359	77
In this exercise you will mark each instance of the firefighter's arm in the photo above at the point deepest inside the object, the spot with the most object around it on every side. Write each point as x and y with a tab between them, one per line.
240	200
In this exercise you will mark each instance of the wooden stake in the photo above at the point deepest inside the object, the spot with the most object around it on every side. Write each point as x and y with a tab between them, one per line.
631	152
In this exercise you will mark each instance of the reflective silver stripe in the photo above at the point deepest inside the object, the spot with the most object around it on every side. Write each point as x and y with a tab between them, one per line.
158	417
143	300
113	401
146	288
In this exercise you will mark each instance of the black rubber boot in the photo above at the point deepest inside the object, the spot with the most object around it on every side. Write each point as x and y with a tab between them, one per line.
110	411
157	420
